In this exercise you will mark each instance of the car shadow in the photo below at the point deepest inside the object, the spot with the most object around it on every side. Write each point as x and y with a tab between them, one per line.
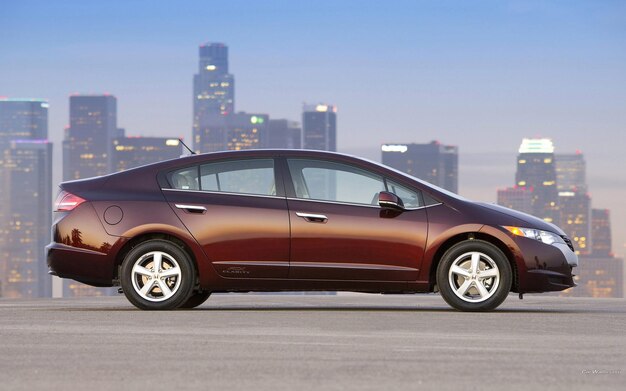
420	309
442	309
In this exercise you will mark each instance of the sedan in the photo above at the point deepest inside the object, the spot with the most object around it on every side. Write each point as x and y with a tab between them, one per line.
172	233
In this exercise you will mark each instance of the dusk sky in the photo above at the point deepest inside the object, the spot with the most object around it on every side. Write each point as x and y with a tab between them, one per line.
478	74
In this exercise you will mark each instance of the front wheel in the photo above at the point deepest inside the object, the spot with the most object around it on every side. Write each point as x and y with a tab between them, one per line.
474	275
157	275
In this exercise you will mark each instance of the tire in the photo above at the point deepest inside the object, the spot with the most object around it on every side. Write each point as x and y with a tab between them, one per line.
162	288
469	288
196	299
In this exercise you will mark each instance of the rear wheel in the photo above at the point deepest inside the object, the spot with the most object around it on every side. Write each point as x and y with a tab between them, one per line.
196	299
157	275
474	276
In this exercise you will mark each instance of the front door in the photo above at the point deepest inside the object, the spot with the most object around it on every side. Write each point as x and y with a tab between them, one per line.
339	232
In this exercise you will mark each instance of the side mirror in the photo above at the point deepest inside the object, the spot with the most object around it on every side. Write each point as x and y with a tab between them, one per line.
388	200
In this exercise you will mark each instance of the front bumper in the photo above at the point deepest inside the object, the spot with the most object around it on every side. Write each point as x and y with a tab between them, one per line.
540	267
546	267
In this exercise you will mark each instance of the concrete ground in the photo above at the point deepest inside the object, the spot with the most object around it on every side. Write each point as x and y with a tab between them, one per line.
306	342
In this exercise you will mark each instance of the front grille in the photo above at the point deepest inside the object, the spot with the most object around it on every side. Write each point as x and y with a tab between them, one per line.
568	242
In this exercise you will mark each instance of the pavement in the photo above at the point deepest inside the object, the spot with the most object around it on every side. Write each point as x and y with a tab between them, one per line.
313	342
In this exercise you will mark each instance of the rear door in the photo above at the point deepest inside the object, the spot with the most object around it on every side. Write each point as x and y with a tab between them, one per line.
237	211
338	230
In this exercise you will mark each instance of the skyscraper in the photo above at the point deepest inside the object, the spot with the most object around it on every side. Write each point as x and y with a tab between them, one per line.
575	213
571	172
88	140
319	127
213	98
518	198
283	133
25	197
131	152
22	119
433	162
536	170
601	233
246	131
574	202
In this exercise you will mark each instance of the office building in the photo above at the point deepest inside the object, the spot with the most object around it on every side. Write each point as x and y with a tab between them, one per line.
27	193
536	170
213	99
319	127
246	131
575	213
574	202
88	140
22	119
571	172
434	162
131	152
283	133
601	245
25	197
518	198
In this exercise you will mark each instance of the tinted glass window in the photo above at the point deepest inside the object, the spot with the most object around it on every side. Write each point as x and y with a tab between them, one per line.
321	180
409	197
252	176
185	179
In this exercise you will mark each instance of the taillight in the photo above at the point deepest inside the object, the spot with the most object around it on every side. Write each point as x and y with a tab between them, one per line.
67	201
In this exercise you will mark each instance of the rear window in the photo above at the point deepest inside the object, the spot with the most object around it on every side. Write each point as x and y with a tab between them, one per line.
250	176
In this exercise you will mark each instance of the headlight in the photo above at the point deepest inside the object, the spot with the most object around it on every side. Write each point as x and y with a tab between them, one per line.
542	236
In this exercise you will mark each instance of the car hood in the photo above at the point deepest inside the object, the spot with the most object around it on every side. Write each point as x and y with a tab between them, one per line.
529	220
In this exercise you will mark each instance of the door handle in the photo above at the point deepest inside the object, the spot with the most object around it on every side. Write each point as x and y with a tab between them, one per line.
312	218
191	208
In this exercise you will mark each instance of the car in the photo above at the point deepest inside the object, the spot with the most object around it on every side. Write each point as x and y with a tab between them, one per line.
172	233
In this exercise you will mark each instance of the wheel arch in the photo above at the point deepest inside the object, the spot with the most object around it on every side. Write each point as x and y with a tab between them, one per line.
445	246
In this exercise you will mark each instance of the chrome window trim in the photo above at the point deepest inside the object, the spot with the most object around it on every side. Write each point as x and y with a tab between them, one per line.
224	193
355	204
293	198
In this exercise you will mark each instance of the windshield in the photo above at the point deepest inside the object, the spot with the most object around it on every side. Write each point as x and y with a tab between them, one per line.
427	184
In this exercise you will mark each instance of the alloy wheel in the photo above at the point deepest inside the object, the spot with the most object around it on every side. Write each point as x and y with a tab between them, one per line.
474	277
156	276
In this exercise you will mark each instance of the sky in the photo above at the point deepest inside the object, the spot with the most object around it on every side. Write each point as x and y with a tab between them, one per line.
481	75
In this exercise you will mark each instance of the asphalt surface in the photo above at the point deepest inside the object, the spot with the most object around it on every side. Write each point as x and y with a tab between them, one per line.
297	342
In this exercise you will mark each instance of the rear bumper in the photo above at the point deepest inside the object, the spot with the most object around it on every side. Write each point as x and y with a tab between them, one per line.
83	265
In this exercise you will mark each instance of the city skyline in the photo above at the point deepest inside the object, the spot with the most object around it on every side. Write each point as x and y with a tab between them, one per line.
429	72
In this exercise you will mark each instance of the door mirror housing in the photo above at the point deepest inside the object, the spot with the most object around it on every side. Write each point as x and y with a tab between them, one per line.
388	200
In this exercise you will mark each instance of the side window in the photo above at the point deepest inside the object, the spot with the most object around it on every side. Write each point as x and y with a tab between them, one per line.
185	179
409	197
252	176
321	180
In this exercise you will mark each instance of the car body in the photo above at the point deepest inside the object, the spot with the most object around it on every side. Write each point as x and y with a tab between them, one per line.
171	233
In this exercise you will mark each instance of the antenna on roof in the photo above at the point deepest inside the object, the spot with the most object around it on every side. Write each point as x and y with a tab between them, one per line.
185	145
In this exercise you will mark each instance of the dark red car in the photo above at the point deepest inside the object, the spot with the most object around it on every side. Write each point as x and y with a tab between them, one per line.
174	232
